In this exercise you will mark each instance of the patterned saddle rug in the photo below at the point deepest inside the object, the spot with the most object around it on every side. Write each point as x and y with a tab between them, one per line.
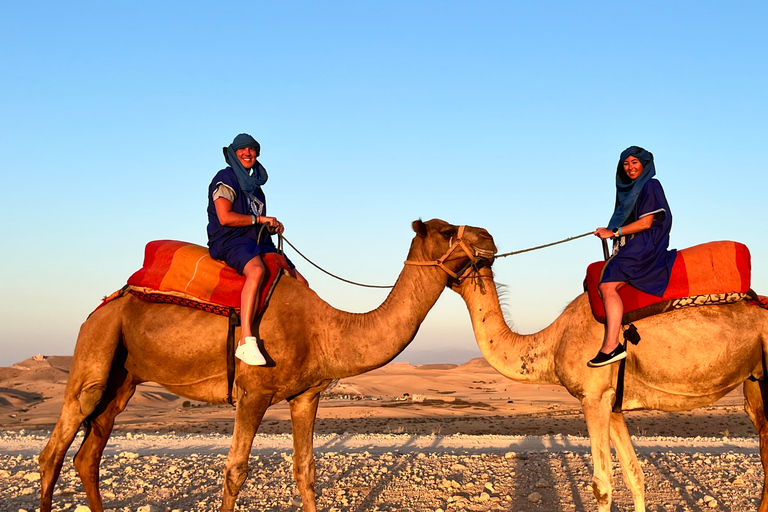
184	273
710	273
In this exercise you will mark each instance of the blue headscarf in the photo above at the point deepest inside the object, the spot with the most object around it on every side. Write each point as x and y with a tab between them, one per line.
627	190
248	181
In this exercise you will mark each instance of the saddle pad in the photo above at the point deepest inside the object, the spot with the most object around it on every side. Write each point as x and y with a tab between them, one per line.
706	269
182	267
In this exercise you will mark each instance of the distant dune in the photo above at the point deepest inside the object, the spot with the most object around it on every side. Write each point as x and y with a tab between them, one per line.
469	398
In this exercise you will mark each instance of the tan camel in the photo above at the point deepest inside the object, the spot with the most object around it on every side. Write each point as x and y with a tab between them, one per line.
128	341
687	358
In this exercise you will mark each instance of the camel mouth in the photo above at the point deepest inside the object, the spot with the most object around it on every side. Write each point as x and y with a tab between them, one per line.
485	253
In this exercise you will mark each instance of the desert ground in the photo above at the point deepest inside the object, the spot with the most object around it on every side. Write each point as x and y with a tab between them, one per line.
400	438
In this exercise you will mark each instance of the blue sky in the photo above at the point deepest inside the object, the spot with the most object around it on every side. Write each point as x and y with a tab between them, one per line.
505	115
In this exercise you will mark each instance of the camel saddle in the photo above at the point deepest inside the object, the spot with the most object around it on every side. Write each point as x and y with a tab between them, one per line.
184	273
710	273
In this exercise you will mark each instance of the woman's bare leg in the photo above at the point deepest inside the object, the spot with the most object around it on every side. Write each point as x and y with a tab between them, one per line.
254	274
614	311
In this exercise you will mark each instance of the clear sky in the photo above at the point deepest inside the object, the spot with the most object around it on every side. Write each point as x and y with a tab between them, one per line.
505	115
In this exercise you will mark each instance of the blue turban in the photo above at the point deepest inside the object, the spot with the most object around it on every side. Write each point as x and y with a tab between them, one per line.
628	190
248	182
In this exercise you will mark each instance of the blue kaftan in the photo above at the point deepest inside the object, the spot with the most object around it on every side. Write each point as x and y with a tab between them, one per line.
644	261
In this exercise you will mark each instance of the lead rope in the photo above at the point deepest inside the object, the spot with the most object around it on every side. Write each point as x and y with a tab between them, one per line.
282	239
543	246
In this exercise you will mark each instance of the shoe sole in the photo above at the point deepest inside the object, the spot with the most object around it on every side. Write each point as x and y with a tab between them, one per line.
619	357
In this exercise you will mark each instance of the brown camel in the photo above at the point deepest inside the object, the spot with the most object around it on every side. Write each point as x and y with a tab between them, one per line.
687	358
128	341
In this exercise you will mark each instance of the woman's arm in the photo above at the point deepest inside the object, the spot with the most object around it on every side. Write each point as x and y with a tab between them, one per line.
229	218
639	225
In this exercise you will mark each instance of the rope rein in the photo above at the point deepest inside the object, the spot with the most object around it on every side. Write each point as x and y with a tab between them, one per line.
542	246
282	239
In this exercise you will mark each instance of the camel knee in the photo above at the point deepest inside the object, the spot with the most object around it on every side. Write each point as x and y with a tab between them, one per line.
89	398
234	476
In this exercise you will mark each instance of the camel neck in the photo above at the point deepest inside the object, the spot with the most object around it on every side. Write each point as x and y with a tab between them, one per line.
373	339
523	358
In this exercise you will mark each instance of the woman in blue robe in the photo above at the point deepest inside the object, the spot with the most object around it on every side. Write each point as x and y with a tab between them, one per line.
640	227
237	210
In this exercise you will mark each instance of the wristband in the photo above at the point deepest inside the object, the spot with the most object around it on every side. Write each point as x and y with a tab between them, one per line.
621	233
253	220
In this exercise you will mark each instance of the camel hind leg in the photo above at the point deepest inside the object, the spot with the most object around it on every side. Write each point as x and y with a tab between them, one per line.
96	345
120	389
755	393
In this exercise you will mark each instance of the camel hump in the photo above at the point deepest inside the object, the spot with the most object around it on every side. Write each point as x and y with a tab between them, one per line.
188	271
718	271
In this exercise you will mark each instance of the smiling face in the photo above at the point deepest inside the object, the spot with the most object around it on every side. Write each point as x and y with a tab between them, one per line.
633	167
247	157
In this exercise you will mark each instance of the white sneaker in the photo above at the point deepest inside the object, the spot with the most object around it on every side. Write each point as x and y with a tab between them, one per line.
249	352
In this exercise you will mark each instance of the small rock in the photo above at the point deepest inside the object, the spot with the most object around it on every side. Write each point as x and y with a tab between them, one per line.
542	484
458	467
510	455
534	497
32	477
82	508
484	497
295	501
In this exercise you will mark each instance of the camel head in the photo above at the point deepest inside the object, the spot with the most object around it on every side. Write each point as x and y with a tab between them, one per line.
451	248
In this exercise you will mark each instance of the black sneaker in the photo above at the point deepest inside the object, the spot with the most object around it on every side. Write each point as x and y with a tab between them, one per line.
602	359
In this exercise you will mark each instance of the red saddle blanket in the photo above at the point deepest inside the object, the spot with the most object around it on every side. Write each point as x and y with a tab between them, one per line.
706	269
188	270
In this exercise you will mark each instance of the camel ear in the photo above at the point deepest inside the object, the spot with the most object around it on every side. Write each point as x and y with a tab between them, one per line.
420	228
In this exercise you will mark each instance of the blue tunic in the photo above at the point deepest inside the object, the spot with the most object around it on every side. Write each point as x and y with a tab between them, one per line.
236	246
644	261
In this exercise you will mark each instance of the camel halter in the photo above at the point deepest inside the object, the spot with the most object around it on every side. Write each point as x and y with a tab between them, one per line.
474	254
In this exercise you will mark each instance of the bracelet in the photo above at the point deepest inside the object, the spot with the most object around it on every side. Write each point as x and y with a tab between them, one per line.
253	220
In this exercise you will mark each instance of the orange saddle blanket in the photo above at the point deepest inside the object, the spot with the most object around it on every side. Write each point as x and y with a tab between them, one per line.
706	269
187	269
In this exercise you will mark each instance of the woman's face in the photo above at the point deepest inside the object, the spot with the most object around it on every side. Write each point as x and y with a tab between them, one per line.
247	157
633	167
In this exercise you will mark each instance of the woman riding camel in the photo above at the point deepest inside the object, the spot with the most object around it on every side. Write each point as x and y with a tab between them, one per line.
640	227
237	210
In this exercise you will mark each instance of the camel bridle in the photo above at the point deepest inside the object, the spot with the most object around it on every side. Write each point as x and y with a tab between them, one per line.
475	255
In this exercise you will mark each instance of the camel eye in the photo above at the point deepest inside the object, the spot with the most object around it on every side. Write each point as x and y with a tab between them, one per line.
448	233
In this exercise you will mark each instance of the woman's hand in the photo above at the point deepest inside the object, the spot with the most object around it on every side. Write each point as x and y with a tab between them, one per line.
272	222
603	233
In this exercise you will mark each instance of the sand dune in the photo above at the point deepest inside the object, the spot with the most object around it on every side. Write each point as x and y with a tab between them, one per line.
471	398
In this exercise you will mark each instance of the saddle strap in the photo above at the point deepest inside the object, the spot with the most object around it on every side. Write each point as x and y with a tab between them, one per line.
234	321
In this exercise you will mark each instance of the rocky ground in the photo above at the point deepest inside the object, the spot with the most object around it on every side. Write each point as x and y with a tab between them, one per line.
390	472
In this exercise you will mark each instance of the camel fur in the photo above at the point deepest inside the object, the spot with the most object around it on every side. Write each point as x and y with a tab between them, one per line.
307	342
687	358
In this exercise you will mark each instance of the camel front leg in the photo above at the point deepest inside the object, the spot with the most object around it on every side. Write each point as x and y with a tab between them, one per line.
630	467
250	411
303	414
754	403
597	413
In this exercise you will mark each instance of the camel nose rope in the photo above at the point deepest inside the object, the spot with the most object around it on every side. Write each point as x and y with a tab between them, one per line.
543	246
282	239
